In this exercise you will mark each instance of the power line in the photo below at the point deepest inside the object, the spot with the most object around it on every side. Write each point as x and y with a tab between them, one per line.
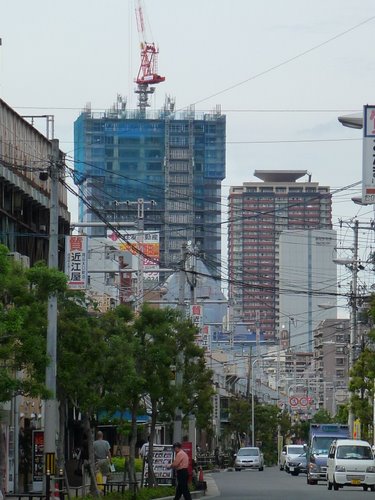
286	61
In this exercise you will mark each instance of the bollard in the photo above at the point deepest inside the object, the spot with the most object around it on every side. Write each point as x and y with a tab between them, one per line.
48	485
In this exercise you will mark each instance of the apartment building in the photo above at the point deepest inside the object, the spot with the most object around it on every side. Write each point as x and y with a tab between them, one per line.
331	360
259	212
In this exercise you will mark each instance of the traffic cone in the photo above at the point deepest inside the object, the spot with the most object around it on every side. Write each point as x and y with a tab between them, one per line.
200	477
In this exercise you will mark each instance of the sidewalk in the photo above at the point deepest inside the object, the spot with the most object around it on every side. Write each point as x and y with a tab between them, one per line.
212	490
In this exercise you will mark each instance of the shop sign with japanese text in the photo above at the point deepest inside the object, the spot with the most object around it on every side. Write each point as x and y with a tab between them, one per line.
76	262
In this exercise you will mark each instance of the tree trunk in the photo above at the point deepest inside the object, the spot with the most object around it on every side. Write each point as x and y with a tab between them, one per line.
60	452
2	456
151	474
133	485
94	490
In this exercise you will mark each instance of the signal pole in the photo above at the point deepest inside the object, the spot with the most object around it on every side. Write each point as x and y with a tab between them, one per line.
51	416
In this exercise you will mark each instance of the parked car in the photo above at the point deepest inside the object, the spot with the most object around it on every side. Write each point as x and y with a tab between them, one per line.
249	457
350	463
297	465
289	452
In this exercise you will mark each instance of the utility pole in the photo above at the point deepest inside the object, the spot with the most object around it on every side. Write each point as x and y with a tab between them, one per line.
141	236
177	426
353	321
354	265
51	416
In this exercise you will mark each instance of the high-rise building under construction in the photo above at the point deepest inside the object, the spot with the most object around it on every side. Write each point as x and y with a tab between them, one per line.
171	162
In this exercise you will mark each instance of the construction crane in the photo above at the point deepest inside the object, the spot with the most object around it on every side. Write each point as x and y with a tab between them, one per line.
147	73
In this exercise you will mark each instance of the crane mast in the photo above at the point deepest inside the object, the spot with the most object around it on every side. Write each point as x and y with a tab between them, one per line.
148	69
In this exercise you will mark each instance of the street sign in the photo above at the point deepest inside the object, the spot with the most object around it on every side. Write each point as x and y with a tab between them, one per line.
293	401
303	401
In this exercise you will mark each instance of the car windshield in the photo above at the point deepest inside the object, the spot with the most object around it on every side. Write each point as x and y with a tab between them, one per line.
294	450
253	452
321	444
354	452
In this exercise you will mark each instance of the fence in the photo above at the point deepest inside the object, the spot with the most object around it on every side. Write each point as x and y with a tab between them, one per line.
212	461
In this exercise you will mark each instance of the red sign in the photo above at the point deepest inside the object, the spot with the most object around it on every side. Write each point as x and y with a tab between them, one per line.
303	401
187	446
293	401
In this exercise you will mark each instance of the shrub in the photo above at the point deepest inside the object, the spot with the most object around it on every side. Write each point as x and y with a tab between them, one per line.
142	494
119	463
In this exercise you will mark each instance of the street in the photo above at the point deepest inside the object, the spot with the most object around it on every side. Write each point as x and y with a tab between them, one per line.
272	484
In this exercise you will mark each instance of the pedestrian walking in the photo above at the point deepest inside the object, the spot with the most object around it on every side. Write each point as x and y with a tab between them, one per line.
102	453
180	464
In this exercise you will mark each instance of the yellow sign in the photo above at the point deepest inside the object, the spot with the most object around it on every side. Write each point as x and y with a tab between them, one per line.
357	429
50	463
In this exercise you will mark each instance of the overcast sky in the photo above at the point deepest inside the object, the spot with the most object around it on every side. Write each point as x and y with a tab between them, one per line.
282	71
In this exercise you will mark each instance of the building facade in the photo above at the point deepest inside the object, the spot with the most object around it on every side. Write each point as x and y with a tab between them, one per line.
162	172
331	359
307	284
24	194
259	212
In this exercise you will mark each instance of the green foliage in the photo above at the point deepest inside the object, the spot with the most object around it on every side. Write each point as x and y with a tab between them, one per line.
82	354
47	281
23	324
285	423
266	422
342	414
239	416
362	390
322	417
119	463
142	494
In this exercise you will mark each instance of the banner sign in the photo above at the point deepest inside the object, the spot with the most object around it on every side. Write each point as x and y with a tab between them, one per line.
37	459
162	457
147	242
76	262
368	160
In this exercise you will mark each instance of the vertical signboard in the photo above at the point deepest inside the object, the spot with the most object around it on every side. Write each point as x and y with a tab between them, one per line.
368	165
196	315
38	459
187	446
76	262
162	457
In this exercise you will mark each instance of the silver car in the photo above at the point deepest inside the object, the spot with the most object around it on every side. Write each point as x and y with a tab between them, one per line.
249	458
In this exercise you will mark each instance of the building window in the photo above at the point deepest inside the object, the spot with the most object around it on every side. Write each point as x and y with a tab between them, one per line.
340	374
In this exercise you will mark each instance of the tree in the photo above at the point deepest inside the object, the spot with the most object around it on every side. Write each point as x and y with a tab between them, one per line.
362	391
23	323
81	366
125	382
266	424
322	416
239	418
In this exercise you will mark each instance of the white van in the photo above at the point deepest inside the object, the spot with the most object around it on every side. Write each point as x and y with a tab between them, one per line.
350	463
